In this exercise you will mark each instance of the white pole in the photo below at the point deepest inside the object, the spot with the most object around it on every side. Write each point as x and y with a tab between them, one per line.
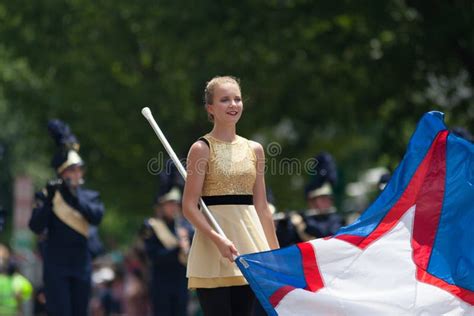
147	114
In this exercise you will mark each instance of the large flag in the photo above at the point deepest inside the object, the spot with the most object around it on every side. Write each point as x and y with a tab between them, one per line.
410	253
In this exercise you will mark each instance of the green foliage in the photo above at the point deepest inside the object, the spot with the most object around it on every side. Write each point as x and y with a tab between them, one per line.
350	77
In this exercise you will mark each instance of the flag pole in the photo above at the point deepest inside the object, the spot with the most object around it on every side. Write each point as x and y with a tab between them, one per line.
149	116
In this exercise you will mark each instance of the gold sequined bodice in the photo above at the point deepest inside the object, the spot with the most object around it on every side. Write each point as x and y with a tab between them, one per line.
231	167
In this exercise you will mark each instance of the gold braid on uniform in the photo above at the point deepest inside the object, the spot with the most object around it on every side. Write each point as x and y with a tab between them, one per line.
167	238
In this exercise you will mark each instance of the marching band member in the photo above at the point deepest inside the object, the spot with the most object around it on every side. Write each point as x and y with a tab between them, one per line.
321	219
64	211
167	241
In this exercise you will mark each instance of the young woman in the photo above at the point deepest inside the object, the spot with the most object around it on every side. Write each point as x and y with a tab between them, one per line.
227	171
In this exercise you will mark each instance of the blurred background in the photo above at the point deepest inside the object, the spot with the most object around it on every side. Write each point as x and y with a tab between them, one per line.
348	77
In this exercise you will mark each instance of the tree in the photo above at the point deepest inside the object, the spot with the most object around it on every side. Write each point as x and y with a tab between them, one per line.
351	77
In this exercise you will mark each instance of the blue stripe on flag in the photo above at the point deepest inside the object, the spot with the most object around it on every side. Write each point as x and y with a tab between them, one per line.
270	270
427	129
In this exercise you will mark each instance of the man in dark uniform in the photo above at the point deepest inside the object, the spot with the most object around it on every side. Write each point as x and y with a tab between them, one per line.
321	219
64	211
167	241
167	238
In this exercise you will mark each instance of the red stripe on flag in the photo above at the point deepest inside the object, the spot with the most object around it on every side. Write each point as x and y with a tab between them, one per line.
313	278
427	216
280	294
407	200
429	205
464	294
352	239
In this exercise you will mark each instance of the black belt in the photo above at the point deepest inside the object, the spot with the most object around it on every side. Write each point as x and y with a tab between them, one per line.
242	199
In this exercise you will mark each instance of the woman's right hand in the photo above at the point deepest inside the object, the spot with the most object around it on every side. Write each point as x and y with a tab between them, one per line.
226	248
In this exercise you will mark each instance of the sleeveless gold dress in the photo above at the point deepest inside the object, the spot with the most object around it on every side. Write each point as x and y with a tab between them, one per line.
227	191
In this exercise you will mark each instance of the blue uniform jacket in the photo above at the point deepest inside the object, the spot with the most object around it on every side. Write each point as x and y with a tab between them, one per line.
164	263
323	225
64	247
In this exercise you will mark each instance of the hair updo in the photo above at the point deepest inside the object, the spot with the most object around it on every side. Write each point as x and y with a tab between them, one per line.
210	87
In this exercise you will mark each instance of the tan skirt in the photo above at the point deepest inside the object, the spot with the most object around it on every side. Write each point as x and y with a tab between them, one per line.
206	267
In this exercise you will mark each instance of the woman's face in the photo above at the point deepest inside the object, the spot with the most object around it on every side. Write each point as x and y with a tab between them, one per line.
227	103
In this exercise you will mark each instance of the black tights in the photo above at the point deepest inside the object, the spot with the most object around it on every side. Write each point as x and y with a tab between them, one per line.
226	301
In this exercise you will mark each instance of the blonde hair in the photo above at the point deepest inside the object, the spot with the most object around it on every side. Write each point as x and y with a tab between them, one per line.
210	87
